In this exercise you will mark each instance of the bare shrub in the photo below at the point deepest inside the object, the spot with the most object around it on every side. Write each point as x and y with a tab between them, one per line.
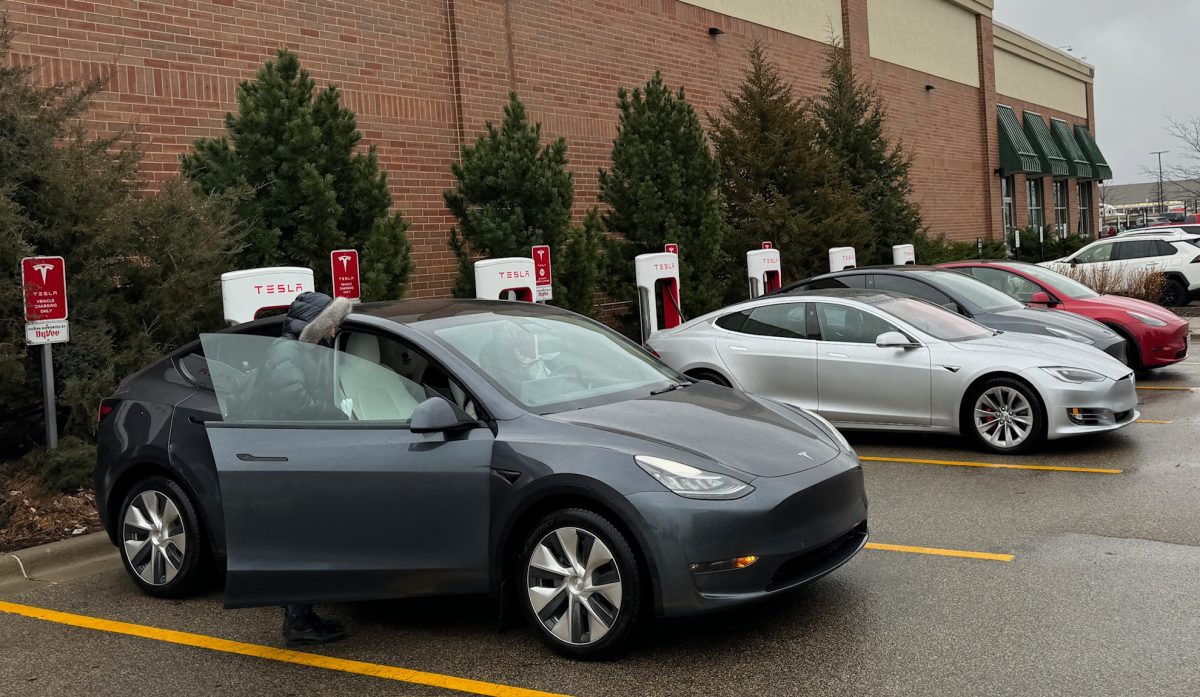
1142	284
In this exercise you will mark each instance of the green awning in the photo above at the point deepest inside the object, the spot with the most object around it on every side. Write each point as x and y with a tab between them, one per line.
1092	152
1017	155
1039	136
1078	163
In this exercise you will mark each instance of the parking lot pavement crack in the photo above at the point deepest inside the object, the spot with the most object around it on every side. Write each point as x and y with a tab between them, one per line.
1187	545
21	566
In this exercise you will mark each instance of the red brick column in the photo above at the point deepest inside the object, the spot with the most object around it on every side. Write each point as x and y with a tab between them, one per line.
991	141
856	35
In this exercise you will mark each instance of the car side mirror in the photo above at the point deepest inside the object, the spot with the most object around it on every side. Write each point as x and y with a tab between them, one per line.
894	340
438	414
1042	298
1074	262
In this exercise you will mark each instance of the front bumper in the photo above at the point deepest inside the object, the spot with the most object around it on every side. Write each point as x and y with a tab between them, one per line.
1164	345
800	526
1104	406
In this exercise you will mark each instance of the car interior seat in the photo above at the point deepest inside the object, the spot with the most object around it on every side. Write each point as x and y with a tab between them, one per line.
376	392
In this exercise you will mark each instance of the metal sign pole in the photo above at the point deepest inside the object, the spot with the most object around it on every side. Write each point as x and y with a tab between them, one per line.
48	396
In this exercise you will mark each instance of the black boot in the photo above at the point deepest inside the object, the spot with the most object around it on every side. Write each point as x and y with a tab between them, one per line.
302	627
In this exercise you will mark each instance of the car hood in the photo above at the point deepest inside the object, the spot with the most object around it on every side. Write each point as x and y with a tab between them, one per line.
1038	318
1122	303
1046	351
749	434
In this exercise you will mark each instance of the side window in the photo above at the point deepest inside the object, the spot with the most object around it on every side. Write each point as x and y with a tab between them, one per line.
382	378
785	320
917	289
1007	282
857	280
850	324
733	321
1096	254
1135	249
1165	249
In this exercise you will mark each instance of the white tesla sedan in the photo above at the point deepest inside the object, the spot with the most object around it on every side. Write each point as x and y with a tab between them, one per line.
867	360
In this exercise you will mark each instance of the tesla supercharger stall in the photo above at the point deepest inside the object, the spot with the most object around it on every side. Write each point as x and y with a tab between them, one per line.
246	293
841	258
904	255
763	271
510	278
657	277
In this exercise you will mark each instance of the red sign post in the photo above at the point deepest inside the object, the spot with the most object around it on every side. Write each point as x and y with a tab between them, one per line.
45	283
542	273
346	280
671	248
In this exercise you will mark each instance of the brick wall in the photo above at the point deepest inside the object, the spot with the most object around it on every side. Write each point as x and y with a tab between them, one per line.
424	75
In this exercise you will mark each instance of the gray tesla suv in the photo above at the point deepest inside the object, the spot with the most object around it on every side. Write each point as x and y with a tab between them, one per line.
471	447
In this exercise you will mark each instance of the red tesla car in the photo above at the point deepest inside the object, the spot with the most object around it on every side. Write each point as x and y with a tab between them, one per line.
1154	336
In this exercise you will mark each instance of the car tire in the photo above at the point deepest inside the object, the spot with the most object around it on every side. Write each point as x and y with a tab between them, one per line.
1175	294
709	376
162	544
557	599
1016	406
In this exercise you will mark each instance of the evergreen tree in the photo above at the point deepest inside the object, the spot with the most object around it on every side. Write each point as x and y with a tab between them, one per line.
778	180
143	270
306	192
580	268
663	187
852	119
510	194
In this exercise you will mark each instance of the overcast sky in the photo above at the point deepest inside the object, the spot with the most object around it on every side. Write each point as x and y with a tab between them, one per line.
1145	59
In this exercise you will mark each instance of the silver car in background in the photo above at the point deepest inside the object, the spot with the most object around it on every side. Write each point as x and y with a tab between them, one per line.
869	360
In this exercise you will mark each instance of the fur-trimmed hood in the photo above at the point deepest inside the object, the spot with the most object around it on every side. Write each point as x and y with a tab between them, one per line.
326	325
318	309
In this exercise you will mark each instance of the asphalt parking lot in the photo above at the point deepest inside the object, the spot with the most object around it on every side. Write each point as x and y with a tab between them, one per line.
1074	572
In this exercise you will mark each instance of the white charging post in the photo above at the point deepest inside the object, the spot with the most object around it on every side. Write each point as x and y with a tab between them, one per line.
904	255
509	278
246	293
763	271
841	258
658	290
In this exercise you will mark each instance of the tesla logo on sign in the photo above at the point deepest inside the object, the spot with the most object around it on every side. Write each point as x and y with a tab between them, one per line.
509	275
277	288
347	283
768	245
544	276
45	284
671	248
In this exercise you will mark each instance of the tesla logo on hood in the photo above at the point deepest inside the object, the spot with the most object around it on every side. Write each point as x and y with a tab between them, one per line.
803	453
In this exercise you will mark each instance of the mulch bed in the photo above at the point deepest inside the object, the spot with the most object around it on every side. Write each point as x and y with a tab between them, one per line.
29	517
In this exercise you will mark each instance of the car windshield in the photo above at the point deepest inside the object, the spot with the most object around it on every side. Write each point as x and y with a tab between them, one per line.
975	291
551	363
935	321
1064	284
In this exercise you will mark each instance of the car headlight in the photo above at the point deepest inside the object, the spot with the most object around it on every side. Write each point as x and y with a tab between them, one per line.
690	482
1075	375
1064	334
1146	319
837	435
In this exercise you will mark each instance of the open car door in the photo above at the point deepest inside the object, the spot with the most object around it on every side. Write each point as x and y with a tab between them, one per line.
327	501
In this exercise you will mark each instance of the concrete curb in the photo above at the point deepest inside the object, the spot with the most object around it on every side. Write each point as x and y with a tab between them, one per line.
48	561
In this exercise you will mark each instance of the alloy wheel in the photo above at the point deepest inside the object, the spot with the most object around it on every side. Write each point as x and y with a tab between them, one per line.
1003	417
574	585
154	537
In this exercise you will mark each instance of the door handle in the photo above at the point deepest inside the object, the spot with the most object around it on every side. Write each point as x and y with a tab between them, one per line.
836	355
247	457
738	348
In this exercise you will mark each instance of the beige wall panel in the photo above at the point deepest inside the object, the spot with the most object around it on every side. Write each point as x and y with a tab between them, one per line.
933	36
813	19
1028	81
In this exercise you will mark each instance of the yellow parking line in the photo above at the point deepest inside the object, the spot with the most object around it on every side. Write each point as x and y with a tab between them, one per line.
1166	388
1153	421
963	463
937	551
271	653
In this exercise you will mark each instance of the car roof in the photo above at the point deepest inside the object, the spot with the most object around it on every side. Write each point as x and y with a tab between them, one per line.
883	268
863	295
419	310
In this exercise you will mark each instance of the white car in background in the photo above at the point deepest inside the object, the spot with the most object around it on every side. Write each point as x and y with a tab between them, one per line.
1172	253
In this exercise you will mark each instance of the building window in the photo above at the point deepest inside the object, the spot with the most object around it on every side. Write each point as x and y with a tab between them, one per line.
1008	211
1085	208
1037	215
1062	222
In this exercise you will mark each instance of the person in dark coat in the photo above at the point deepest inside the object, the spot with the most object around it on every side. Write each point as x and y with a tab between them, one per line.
301	389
